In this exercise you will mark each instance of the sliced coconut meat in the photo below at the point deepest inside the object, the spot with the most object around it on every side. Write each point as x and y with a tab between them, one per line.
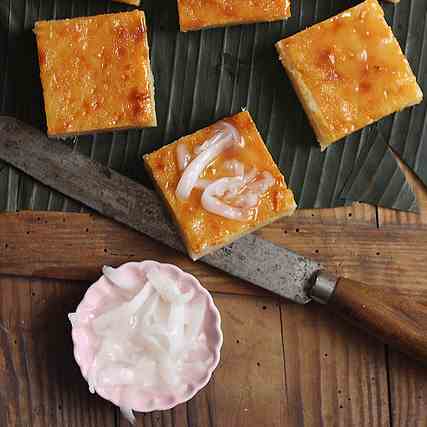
176	328
128	414
183	156
147	341
211	199
122	313
228	127
115	374
223	129
253	190
193	319
126	281
234	167
168	288
198	149
235	197
72	317
225	137
193	171
202	183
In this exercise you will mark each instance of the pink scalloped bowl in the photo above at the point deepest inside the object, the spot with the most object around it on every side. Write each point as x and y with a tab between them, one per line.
102	295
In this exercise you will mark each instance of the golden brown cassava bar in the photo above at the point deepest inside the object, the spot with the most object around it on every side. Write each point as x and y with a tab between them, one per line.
132	2
199	14
96	74
348	72
202	230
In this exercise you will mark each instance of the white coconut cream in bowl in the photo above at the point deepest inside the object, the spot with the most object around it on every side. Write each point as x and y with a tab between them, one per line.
146	336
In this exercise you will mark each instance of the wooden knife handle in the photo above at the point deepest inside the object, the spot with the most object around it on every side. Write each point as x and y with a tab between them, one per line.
397	320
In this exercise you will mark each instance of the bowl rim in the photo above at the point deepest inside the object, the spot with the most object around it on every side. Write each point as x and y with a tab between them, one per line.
215	349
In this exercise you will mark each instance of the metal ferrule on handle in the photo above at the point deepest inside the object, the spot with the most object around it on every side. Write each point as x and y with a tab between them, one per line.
324	287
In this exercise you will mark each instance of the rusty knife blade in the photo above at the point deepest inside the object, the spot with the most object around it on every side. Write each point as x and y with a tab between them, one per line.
58	166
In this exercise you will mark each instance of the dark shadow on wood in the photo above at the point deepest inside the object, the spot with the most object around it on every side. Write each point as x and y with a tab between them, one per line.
53	355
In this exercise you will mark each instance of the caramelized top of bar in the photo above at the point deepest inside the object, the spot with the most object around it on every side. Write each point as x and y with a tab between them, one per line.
133	2
200	228
197	14
95	72
353	67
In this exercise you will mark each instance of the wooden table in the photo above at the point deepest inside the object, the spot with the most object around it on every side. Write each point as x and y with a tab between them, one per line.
282	364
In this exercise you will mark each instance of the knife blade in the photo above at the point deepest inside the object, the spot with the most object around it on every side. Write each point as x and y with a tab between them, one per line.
58	166
400	322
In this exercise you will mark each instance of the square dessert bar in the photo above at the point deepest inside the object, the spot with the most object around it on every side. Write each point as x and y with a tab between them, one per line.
348	72
95	73
132	2
236	188
199	14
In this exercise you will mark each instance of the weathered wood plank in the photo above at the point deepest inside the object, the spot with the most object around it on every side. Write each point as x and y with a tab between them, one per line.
41	383
408	379
75	246
249	385
176	417
357	214
335	375
408	391
15	316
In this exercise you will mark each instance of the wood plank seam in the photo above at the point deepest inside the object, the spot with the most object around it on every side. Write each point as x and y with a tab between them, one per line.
407	379
285	377
389	391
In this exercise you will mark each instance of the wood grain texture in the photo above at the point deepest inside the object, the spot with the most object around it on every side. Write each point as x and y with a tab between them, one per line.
354	215
41	383
335	375
176	417
75	246
399	322
408	379
249	384
408	391
248	387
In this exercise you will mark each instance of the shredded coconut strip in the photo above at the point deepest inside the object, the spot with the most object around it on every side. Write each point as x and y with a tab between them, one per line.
197	166
206	153
239	195
145	341
223	128
183	156
212	203
235	167
128	414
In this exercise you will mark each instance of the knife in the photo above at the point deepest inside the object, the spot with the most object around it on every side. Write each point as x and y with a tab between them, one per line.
400	322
